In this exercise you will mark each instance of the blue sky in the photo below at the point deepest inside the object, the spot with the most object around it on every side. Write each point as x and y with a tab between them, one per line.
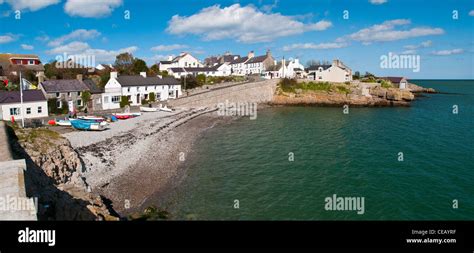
289	28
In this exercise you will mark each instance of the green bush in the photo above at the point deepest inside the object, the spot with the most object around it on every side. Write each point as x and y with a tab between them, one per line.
152	97
124	101
386	84
144	102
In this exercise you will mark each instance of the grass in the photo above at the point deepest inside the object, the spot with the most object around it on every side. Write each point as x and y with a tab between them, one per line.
42	138
291	85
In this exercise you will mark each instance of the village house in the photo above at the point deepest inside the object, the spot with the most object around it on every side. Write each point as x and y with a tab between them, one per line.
258	64
222	69
34	106
138	88
65	91
11	64
238	65
184	60
285	69
336	72
398	82
220	59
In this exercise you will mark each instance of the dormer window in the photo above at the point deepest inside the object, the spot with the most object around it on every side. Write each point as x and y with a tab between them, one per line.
31	62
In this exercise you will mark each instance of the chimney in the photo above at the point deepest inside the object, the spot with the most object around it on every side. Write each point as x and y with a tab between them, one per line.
251	54
79	77
336	62
170	57
297	61
40	77
113	74
143	74
269	53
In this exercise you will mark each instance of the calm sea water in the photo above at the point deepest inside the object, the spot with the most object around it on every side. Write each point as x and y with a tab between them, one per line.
348	155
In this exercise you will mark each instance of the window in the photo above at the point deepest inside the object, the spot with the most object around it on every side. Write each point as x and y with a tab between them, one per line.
146	88
28	110
14	111
79	93
79	102
18	62
69	94
40	109
58	94
97	101
158	96
59	104
31	62
115	99
171	93
106	99
128	89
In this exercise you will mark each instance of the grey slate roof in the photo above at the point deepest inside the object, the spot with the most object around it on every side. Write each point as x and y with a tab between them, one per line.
240	60
316	67
195	69
8	97
93	87
64	85
257	59
142	81
393	79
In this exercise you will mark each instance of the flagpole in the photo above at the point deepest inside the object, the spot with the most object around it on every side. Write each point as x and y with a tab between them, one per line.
21	103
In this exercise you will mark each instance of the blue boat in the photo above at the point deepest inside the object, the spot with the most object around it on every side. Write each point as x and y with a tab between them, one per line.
88	125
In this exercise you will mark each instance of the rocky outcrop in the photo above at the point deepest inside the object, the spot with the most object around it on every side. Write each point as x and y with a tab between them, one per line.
54	176
418	89
392	94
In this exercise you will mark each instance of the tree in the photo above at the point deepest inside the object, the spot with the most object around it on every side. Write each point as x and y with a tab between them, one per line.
138	66
356	75
152	97
86	97
124	62
104	78
124	101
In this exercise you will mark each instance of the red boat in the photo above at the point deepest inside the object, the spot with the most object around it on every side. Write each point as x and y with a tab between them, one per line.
123	115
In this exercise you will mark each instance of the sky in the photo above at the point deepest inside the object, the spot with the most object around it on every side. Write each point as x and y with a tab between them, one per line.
437	34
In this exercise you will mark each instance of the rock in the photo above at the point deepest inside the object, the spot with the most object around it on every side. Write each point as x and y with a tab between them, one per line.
407	95
379	92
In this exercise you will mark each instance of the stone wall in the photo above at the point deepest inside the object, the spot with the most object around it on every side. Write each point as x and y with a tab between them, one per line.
254	92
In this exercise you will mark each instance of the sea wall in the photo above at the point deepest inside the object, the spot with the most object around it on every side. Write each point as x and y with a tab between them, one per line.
254	92
17	206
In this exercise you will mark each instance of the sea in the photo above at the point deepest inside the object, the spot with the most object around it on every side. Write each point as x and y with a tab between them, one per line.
401	163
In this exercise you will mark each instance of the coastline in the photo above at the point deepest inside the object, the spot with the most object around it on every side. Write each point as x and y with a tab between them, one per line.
156	157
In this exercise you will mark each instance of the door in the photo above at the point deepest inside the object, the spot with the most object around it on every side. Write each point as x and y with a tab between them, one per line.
176	94
138	99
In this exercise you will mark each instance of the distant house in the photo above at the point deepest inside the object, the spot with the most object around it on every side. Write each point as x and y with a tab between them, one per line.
399	82
35	105
335	72
238	65
285	69
220	59
65	91
184	60
95	102
137	88
11	64
258	64
222	69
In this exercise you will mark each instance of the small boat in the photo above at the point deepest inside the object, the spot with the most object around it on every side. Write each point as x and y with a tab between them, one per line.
88	125
148	109
63	122
93	118
126	115
110	118
165	109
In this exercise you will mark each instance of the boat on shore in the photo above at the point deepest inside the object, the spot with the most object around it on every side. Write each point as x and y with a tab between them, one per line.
166	109
63	122
126	115
82	124
148	109
93	118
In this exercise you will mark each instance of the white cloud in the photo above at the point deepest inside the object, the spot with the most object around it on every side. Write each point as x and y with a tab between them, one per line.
471	13
270	7
377	1
91	8
27	47
82	48
448	52
331	45
80	34
245	24
6	38
32	5
168	47
411	49
42	38
386	32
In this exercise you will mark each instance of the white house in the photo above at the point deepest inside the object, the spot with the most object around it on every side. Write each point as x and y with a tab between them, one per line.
137	88
335	72
258	64
399	82
35	105
285	69
223	69
184	60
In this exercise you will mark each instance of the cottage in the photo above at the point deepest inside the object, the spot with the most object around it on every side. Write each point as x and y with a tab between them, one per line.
138	88
335	72
225	58
65	91
400	82
237	66
35	105
285	69
258	64
11	64
222	69
184	60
